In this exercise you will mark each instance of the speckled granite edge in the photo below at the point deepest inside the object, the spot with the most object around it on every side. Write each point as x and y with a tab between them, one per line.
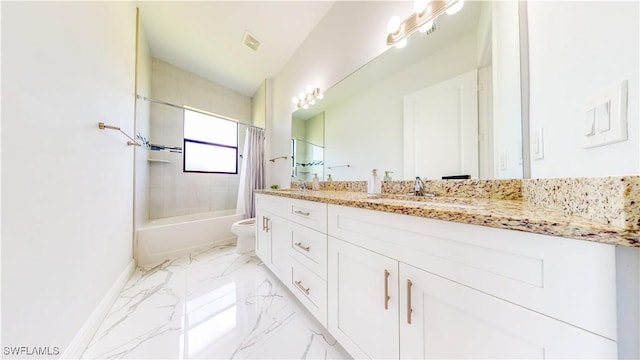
503	214
509	189
608	200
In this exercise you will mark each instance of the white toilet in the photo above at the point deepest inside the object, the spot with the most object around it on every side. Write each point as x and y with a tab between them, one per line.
245	230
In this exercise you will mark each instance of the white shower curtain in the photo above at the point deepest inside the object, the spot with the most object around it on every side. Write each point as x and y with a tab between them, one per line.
252	173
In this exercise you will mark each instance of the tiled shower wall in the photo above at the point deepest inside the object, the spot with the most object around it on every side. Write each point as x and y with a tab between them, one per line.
172	192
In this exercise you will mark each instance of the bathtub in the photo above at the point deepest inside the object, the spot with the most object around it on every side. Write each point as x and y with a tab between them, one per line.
169	238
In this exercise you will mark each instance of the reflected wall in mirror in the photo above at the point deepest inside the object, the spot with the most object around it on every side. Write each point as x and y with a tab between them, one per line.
307	147
366	114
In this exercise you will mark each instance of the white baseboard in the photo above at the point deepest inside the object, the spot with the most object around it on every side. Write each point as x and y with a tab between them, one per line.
84	336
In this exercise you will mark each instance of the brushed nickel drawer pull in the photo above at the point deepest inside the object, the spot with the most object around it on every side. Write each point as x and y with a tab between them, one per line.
299	286
409	309
264	226
305	248
386	289
299	212
268	222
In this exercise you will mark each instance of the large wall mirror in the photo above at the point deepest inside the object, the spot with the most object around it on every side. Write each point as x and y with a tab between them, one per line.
307	147
447	104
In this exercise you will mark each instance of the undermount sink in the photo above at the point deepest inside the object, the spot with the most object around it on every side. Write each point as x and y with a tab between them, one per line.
434	204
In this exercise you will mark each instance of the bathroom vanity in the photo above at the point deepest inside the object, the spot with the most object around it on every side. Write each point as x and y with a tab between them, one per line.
398	277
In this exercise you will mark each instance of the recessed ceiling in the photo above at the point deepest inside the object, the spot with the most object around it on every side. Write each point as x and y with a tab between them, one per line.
206	37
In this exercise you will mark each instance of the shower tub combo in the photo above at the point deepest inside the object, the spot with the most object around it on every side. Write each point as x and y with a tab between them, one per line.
171	237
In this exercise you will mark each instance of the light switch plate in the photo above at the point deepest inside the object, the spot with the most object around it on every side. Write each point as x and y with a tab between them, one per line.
610	117
603	117
538	145
589	123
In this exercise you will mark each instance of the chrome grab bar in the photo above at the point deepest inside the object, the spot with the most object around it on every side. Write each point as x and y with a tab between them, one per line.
131	141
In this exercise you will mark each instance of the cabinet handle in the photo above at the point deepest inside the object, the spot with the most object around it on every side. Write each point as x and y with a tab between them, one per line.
302	213
386	289
299	286
305	248
268	222
264	226
409	309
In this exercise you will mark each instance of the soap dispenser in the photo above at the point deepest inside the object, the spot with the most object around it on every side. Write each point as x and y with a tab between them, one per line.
387	177
329	178
374	185
316	182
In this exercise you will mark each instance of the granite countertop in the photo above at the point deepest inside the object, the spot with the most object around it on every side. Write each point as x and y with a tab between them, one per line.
505	214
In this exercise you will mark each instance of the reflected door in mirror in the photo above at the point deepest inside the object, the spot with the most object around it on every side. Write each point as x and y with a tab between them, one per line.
441	129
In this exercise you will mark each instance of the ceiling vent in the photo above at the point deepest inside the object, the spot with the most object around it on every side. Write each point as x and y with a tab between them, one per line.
250	41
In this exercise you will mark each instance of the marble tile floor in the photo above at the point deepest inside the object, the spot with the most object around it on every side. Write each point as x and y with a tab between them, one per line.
214	304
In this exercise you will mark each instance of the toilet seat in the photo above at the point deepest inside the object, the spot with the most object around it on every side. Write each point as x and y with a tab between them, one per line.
251	221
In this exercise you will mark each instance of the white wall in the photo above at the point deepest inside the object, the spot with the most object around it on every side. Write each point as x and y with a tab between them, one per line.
259	106
333	50
366	131
67	187
577	50
173	192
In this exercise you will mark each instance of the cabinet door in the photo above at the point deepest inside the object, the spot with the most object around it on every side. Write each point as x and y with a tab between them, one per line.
263	235
363	302
449	320
279	261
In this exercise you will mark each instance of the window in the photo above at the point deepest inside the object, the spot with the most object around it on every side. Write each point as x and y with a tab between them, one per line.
210	144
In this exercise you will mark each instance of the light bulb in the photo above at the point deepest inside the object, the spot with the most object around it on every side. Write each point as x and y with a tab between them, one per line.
301	96
455	8
402	43
312	102
305	106
295	100
320	96
309	89
426	27
394	25
419	6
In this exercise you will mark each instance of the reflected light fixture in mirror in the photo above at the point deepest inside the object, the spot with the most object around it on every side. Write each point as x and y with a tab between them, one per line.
422	19
304	100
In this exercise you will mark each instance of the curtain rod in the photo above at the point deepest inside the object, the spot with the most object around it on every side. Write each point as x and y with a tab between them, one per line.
182	107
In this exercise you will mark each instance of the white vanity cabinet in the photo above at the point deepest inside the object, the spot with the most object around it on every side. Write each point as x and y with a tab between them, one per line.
292	241
273	235
473	292
395	286
363	301
443	319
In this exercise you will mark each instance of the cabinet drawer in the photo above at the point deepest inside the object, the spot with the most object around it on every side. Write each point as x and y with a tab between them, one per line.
308	213
274	204
309	247
570	280
311	290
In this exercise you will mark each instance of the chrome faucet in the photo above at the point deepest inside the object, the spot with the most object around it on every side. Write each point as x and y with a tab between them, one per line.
302	185
418	189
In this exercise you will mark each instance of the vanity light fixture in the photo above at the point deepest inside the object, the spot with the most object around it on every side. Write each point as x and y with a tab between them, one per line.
424	14
304	100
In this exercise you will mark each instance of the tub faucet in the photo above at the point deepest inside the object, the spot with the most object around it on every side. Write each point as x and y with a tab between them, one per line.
418	189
